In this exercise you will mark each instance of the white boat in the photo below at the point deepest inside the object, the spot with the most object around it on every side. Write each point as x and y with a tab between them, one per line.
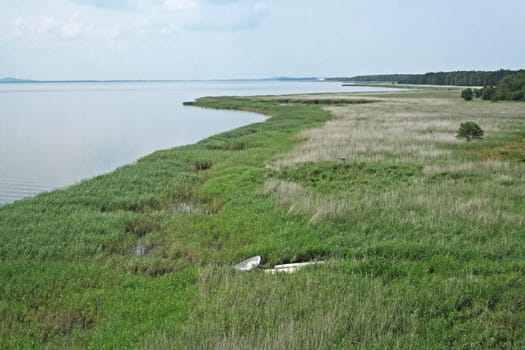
248	264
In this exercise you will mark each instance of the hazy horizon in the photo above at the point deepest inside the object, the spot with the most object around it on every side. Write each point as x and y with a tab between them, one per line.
283	78
29	79
254	39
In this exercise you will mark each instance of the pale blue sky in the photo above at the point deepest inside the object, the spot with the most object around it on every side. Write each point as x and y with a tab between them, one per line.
208	39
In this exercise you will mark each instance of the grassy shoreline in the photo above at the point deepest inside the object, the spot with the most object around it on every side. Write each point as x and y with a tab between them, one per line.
422	234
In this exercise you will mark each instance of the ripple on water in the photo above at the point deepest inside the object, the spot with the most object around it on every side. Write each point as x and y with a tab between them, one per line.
12	190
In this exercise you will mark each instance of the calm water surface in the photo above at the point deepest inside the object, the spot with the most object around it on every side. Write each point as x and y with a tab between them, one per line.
56	134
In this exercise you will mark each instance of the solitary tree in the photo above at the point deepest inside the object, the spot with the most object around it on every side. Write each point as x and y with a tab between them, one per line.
467	94
469	131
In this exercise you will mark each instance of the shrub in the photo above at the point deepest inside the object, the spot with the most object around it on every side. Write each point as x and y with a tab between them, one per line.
470	131
487	93
467	94
477	93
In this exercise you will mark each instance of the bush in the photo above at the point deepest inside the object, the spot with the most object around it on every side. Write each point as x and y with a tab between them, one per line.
477	93
467	94
470	131
487	93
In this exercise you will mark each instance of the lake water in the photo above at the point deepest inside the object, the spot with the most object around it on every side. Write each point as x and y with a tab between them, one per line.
56	134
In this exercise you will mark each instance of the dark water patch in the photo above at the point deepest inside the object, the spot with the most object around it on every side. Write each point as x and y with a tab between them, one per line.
142	249
141	227
202	165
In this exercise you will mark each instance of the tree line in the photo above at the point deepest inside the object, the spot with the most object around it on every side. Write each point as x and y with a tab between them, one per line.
510	88
461	78
388	78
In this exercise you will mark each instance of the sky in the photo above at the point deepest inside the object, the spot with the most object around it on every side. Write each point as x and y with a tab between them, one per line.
241	39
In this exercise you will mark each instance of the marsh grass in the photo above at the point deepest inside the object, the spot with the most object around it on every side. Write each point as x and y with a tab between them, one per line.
358	303
405	130
422	234
425	230
416	132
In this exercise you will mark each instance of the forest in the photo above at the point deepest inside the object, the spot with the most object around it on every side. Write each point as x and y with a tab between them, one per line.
511	88
461	78
458	78
390	78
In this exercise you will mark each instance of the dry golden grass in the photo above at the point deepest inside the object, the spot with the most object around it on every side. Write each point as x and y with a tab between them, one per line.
399	129
418	131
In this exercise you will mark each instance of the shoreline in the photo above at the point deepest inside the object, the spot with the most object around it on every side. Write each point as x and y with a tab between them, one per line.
27	186
78	176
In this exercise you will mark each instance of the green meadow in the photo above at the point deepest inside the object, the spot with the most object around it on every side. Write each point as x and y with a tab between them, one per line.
422	234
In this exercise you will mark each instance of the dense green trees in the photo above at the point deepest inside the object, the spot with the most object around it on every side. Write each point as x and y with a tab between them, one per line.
389	78
477	93
511	88
460	78
497	85
487	93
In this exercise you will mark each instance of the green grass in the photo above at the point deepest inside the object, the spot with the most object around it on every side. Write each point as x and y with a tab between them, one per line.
423	235
341	177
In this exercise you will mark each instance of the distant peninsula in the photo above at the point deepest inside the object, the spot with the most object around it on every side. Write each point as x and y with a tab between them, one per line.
14	80
17	80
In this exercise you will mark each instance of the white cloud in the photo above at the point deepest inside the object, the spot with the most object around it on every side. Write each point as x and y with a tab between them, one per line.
261	6
230	16
118	5
71	28
154	26
19	27
180	5
51	28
